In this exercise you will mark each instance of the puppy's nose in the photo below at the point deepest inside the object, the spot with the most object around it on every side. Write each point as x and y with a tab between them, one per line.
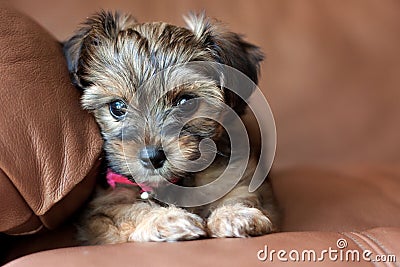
152	157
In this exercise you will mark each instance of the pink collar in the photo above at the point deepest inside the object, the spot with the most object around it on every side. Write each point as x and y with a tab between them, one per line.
115	178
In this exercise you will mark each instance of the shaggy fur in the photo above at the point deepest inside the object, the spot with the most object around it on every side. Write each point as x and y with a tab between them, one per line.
112	58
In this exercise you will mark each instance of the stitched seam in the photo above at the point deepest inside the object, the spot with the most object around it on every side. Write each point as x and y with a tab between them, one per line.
376	241
356	239
383	248
378	250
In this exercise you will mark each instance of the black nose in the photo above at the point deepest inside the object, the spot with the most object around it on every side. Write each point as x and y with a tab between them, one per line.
152	157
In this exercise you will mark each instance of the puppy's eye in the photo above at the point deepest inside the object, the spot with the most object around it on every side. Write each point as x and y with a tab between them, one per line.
187	104
118	109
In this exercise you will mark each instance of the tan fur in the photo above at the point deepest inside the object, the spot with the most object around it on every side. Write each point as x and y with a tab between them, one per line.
113	57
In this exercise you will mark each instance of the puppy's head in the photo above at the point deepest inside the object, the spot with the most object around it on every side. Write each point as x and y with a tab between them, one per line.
114	60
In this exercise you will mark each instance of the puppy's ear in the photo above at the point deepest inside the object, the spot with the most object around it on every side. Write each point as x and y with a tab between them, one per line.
98	29
228	48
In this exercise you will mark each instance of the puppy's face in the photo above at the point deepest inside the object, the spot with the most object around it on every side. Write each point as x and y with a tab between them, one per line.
152	114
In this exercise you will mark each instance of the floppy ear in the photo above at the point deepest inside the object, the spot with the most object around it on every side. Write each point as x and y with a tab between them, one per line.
96	30
230	49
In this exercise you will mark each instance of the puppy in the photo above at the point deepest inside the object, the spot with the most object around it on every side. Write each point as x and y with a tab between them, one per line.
114	59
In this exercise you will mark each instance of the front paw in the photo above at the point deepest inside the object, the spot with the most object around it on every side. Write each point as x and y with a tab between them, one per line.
238	221
168	224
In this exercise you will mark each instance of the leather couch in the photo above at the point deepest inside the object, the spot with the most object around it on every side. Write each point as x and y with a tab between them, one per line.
331	77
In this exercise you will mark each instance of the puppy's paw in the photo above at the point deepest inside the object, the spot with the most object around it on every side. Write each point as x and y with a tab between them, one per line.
238	221
168	224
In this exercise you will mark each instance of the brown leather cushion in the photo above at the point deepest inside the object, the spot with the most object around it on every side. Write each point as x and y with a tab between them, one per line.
354	198
48	145
229	252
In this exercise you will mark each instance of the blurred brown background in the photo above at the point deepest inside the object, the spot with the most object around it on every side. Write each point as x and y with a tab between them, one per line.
332	73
